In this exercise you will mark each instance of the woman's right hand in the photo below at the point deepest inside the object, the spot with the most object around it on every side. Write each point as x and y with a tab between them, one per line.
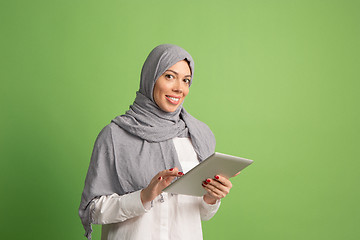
158	183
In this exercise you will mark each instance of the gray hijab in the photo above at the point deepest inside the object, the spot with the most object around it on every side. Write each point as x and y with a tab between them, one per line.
135	146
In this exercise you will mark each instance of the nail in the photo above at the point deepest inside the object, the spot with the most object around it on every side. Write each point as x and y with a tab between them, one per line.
217	177
208	180
205	183
171	169
180	173
160	178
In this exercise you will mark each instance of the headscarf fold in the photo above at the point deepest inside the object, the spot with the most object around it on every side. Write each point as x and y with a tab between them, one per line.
135	146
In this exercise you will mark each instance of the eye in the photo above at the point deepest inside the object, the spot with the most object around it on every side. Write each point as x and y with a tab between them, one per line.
187	81
169	76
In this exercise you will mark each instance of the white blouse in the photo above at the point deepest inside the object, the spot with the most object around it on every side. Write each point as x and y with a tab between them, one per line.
167	217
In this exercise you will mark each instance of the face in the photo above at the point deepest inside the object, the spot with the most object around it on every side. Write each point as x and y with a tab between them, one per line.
172	86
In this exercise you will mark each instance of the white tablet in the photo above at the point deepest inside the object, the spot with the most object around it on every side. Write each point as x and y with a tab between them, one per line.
216	164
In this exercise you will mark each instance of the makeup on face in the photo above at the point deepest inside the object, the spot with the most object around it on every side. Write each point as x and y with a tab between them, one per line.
172	86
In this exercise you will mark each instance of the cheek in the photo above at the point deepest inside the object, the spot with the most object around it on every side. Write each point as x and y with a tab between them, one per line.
159	92
156	94
186	92
162	86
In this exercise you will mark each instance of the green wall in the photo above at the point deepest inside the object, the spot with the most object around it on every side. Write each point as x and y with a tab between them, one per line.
275	81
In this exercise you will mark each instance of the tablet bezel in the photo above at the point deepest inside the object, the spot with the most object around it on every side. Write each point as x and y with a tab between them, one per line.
217	164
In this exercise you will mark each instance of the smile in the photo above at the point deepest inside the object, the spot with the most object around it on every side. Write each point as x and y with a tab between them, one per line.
173	100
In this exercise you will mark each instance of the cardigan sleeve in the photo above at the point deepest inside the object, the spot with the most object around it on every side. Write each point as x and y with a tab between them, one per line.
114	208
207	211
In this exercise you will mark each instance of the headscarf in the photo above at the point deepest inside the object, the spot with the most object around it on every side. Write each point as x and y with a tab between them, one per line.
135	146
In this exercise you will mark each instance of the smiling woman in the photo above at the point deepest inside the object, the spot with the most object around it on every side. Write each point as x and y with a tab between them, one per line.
141	152
172	87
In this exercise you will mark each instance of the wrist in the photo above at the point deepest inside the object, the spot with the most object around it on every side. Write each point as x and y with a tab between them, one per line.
142	197
209	200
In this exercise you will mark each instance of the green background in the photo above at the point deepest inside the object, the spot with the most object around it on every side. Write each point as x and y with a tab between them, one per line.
277	82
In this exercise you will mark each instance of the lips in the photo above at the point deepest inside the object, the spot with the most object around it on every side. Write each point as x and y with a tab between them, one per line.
173	99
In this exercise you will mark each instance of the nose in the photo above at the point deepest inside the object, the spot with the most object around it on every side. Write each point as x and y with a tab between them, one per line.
177	87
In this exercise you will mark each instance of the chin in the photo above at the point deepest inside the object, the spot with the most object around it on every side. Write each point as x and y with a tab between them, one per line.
170	109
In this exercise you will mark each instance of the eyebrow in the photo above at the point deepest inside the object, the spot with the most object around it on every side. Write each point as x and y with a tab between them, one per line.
176	72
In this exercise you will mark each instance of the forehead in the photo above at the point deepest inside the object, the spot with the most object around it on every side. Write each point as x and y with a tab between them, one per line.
181	67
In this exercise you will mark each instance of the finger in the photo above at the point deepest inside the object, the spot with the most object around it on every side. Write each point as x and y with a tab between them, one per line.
223	180
211	192
162	182
156	180
172	172
173	169
217	187
176	170
169	175
169	179
217	184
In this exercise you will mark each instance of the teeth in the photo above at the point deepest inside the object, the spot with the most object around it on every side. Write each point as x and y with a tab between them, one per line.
174	99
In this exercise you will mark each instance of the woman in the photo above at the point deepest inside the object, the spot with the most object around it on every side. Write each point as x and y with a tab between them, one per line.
141	152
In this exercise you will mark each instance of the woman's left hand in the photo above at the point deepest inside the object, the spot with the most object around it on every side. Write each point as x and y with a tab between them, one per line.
216	188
